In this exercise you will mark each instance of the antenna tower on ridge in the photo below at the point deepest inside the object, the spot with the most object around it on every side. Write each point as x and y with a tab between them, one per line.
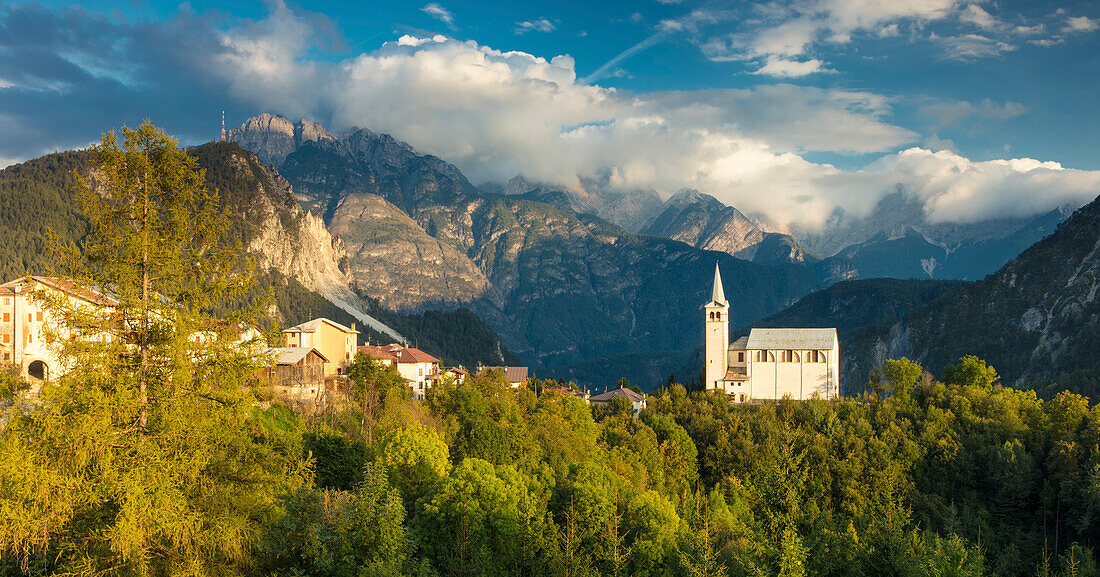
223	126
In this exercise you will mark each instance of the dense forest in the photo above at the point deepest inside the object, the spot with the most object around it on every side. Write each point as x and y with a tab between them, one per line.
917	477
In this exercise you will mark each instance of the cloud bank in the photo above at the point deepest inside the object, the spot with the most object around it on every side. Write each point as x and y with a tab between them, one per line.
497	113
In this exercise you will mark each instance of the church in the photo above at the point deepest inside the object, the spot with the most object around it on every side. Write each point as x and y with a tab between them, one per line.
768	364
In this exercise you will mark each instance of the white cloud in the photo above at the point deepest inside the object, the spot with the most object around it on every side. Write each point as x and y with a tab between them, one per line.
889	31
784	68
971	47
1081	24
947	113
496	114
440	13
977	16
540	25
956	189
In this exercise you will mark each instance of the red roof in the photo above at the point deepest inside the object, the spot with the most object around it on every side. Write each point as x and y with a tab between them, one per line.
398	353
381	353
413	355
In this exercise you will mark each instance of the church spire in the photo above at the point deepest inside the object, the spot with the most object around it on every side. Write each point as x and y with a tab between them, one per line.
717	294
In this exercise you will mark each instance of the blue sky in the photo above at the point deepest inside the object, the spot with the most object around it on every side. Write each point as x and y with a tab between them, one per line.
823	103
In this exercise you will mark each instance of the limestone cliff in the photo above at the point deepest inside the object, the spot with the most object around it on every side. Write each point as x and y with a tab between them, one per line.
281	235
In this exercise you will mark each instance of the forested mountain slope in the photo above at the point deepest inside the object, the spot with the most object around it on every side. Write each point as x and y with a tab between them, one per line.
1036	319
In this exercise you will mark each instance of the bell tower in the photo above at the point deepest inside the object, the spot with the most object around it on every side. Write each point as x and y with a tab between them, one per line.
717	334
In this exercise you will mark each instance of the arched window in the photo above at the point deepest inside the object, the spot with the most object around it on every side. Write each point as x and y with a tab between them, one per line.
711	315
717	316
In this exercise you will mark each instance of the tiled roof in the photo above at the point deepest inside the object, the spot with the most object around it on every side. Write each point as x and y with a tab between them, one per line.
293	355
381	353
630	395
313	325
739	345
66	285
398	353
737	374
413	355
810	339
511	374
565	391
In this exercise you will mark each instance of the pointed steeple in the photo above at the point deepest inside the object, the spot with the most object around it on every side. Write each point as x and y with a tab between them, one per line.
717	294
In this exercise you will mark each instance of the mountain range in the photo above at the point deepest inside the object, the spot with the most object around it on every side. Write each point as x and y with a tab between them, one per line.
587	284
559	286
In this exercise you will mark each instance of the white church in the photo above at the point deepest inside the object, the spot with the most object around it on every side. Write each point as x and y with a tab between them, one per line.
769	363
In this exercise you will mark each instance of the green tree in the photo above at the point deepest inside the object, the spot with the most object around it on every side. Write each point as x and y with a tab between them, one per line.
970	372
414	459
140	458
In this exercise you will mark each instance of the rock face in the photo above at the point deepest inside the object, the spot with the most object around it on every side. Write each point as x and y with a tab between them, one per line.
704	222
273	137
278	232
397	262
1036	318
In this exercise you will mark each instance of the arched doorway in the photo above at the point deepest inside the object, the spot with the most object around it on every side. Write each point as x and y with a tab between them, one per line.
38	370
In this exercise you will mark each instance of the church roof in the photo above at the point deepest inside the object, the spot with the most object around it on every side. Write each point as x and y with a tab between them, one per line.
718	294
739	345
815	339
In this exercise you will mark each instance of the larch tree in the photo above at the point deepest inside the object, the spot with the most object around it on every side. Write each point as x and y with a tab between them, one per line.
140	459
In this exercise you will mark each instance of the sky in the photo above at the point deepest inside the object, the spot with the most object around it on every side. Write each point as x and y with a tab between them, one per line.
793	110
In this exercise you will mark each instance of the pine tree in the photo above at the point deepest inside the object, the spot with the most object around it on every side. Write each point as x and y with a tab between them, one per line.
140	458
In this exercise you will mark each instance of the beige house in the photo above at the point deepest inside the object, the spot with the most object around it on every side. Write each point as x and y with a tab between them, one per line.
768	364
333	340
419	369
25	323
637	400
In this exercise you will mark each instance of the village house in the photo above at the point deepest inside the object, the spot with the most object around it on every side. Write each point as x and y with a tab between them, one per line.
333	340
514	376
768	364
637	400
297	376
25	323
458	375
420	370
563	390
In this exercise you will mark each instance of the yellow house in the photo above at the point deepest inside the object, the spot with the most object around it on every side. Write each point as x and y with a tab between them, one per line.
334	341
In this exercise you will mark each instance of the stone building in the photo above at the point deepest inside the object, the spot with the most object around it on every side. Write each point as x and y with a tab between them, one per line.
768	364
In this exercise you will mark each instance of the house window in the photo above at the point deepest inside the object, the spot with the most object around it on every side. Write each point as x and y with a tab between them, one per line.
740	357
421	371
29	317
7	317
38	316
6	301
7	356
30	338
7	339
